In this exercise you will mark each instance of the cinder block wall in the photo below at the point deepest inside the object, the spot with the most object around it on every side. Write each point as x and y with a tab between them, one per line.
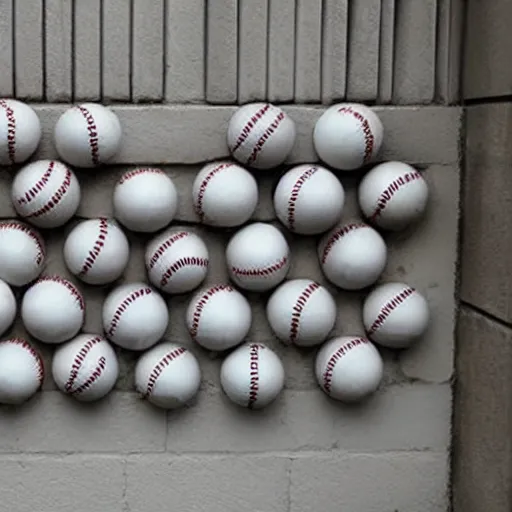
175	72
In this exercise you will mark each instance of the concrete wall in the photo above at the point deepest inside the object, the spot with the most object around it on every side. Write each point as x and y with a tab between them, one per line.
193	65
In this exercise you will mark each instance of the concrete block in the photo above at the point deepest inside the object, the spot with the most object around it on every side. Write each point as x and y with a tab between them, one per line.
415	52
6	48
51	484
53	422
147	50
185	51
28	57
486	237
87	51
386	51
220	484
116	50
222	52
308	50
281	50
363	50
416	482
482	470
6	208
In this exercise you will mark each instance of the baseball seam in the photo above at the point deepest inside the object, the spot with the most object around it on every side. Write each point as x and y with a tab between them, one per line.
92	131
265	271
339	233
31	234
254	374
79	361
39	361
294	195
179	264
331	363
246	130
160	250
33	192
95	375
127	301
69	285
202	189
369	139
266	135
11	131
388	308
97	247
298	308
137	172
160	367
201	304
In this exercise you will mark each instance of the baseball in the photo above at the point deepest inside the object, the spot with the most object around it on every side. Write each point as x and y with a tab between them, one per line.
87	135
309	199
46	193
301	312
85	367
145	200
168	376
260	135
258	257
22	253
20	132
8	307
135	316
252	376
395	315
96	251
352	256
349	368
21	371
224	194
176	261
53	309
348	136
218	317
393	195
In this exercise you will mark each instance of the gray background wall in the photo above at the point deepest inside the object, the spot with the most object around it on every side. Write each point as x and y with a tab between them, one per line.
183	67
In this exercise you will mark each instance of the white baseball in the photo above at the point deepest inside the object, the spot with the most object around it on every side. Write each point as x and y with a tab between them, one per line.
395	315
87	135
224	194
349	368
8	307
393	195
309	199
218	317
145	200
135	316
252	376
46	193
53	309
176	261
348	136
352	256
96	251
21	371
301	312
260	135
85	367
22	253
20	131
168	376
258	257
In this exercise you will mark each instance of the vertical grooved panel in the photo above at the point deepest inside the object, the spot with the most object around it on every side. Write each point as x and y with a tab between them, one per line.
386	48
6	48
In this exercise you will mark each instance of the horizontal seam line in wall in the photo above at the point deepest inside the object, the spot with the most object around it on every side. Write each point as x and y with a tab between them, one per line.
505	98
485	314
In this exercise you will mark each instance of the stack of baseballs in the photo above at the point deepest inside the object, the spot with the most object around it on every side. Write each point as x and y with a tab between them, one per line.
309	200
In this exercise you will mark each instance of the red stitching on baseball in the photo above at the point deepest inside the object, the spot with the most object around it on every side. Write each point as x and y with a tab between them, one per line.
160	367
265	271
299	307
93	134
33	192
390	191
179	264
39	360
95	375
79	361
137	172
246	130
97	247
11	131
331	363
69	285
116	318
266	135
369	139
388	308
294	196
339	233
202	188
165	245
254	384
31	233
201	304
